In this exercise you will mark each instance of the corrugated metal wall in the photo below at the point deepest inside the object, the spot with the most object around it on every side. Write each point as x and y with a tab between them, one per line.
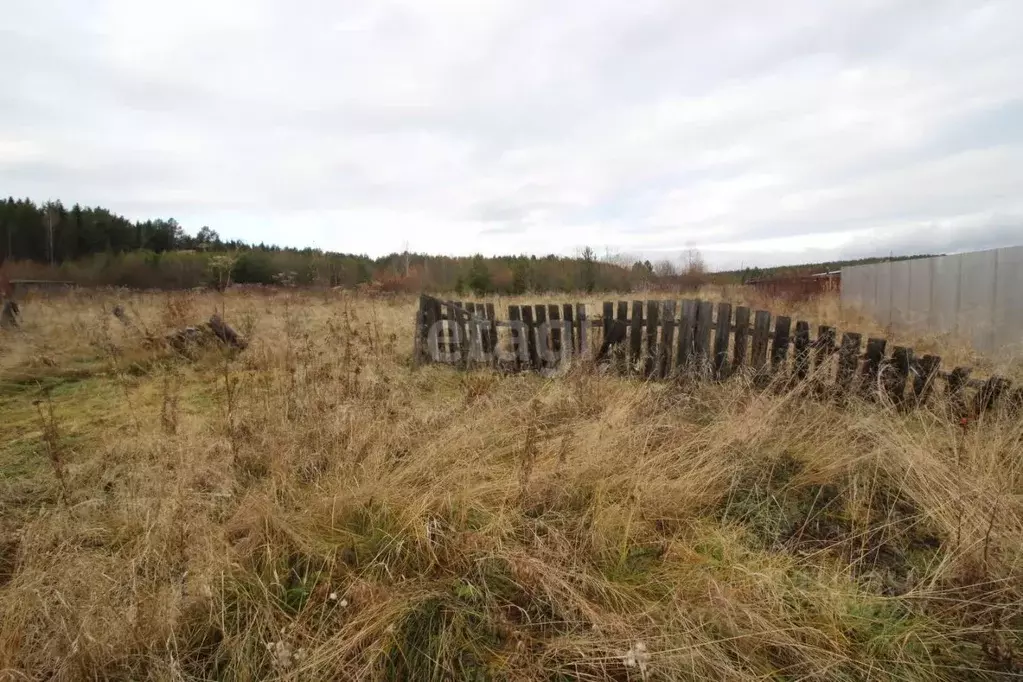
976	296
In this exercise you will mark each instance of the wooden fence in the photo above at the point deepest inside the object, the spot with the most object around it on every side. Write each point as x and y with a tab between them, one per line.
665	339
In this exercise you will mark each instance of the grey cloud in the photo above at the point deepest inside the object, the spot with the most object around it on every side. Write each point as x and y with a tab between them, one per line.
646	125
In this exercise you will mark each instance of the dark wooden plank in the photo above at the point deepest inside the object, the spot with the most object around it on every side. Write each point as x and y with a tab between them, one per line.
823	346
801	348
990	393
925	372
446	331
686	336
569	340
635	334
895	375
530	329
543	335
701	341
462	335
582	330
957	382
425	324
873	358
473	340
780	344
722	339
554	319
653	317
621	350
668	340
607	316
484	330
519	346
742	333
761	338
848	360
492	333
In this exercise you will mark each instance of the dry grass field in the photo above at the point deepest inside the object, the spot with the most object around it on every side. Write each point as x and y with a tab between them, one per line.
315	508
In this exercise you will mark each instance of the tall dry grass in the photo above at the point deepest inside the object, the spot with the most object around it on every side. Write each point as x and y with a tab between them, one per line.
315	508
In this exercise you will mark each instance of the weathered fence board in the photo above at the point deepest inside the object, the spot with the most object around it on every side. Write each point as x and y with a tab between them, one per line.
635	335
722	334
657	343
520	358
780	345
741	338
704	326
761	335
801	346
668	340
653	310
686	336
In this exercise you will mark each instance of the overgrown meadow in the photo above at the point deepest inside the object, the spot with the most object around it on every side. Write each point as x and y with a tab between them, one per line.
314	507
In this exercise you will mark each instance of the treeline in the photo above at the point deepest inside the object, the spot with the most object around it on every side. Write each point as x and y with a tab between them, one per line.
748	274
93	246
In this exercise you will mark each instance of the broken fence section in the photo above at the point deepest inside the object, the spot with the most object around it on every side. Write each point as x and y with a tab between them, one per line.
663	339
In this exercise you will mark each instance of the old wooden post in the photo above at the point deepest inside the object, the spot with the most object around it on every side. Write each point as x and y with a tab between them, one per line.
990	393
492	333
653	310
824	345
686	336
668	340
607	315
530	328
569	338
635	335
780	345
896	374
873	358
741	338
925	371
620	352
958	380
543	336
425	323
473	338
518	338
722	335
554	317
848	360
761	338
801	347
463	336
701	342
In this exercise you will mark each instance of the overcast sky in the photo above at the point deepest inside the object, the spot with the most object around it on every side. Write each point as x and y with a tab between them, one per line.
758	132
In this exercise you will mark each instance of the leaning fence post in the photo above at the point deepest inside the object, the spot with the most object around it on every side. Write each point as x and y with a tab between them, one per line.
872	366
741	338
896	374
635	335
722	334
686	337
554	318
520	348
653	309
668	340
569	339
925	371
848	359
701	342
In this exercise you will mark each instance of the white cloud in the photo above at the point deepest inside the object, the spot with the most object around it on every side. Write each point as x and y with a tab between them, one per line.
757	131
